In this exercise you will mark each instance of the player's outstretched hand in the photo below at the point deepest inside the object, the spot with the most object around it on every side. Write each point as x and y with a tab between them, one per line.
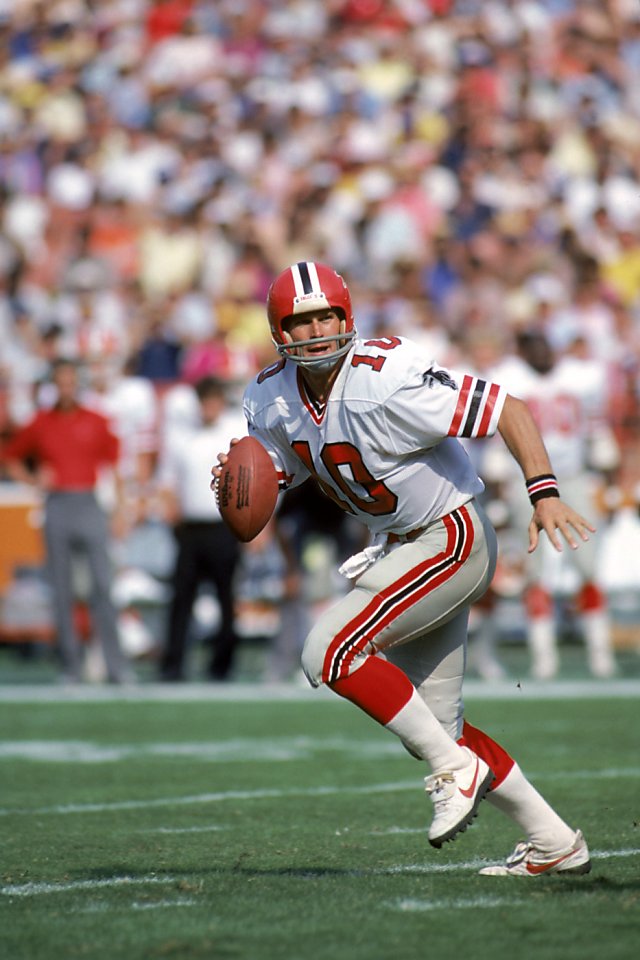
556	517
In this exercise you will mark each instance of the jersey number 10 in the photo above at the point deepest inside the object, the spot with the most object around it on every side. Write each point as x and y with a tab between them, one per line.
379	501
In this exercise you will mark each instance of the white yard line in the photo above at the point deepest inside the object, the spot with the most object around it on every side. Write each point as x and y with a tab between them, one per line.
102	906
271	794
164	904
240	749
454	904
214	828
236	750
39	889
35	889
511	689
218	797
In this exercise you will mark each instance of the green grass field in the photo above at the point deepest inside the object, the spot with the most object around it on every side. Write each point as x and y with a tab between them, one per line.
241	825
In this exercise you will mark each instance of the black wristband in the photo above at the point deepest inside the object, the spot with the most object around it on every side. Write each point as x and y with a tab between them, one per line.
538	488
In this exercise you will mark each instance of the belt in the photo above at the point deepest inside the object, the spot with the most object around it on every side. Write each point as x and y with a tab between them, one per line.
405	537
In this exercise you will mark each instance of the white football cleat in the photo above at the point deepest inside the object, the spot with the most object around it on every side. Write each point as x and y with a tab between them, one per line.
527	861
456	796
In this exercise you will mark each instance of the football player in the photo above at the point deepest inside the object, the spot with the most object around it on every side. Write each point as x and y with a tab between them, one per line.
566	396
377	423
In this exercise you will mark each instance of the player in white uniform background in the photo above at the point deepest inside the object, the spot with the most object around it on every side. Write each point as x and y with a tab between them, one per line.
377	424
567	397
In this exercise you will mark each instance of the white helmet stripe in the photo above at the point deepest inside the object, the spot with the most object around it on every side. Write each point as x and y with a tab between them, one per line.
313	274
305	279
297	280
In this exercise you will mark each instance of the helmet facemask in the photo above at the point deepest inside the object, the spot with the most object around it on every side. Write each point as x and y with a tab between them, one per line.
293	350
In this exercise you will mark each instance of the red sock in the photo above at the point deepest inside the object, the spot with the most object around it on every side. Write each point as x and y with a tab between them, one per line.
538	602
378	687
488	750
591	599
381	689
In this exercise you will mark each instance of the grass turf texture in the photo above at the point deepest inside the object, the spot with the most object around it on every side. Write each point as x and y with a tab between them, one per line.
297	829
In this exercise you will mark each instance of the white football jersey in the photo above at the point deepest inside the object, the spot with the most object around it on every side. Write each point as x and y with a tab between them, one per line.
567	404
384	445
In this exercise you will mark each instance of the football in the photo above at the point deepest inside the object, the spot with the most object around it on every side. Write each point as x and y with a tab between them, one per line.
247	489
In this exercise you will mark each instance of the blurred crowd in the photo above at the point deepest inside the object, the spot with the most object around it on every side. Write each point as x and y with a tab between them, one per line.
470	166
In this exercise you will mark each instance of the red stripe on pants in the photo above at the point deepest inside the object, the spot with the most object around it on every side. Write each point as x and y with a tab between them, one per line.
399	596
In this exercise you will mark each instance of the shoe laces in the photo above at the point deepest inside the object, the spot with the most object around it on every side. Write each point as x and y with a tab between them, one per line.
521	852
440	786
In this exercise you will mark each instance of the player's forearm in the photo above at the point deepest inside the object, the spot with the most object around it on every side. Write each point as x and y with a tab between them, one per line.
521	435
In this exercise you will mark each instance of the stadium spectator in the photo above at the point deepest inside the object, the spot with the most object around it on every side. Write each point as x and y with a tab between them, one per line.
158	354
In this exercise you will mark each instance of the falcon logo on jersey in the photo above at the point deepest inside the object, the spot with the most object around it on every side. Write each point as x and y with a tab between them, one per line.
430	376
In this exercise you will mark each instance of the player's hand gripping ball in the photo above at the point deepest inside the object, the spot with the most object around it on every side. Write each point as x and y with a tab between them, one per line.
247	489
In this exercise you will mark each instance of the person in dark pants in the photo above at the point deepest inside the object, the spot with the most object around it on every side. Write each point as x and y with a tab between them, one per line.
207	550
60	452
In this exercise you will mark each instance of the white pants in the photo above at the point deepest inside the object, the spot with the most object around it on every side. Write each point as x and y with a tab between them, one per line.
412	607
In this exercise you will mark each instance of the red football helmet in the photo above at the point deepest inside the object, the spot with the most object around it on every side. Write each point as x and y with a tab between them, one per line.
299	289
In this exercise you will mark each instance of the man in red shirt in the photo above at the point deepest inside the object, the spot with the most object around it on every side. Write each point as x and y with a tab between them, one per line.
60	452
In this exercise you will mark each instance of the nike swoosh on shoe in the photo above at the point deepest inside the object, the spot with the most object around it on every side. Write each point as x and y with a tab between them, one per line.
471	789
536	868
